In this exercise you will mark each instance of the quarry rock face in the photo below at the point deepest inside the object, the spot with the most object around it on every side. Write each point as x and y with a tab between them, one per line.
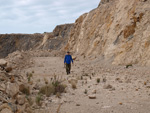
117	31
57	39
10	43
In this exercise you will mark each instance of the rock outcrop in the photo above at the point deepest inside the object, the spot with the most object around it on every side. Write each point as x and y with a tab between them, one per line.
10	43
117	31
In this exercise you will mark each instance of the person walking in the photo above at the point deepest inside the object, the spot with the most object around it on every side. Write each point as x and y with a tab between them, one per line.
67	62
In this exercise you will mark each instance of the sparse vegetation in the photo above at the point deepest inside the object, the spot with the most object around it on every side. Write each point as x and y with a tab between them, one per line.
93	74
24	89
46	81
29	76
81	77
53	88
98	80
85	74
47	90
32	71
104	79
30	100
90	77
38	100
85	91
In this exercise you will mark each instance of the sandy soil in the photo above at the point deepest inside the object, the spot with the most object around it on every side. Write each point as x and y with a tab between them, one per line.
121	90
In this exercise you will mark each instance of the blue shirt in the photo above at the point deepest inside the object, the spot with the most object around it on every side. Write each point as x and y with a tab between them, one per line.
68	59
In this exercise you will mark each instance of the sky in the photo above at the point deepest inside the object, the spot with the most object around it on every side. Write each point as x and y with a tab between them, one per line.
39	16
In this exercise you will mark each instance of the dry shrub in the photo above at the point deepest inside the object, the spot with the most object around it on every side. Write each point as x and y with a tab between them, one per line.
30	100
98	80
38	100
53	88
47	90
85	91
46	81
29	76
24	89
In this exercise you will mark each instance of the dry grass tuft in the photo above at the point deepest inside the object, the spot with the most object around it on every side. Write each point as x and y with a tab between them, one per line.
85	91
38	100
24	89
53	88
98	80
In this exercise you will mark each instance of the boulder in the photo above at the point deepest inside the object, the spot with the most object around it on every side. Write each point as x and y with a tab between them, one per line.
6	110
12	89
21	99
3	63
8	69
108	86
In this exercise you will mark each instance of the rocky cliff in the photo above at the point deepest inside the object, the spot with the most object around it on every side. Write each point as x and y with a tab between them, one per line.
117	30
23	42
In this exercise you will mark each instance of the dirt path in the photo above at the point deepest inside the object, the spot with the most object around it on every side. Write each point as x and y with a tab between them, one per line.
120	90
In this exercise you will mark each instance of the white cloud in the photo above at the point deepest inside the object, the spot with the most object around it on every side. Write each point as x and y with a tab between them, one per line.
29	16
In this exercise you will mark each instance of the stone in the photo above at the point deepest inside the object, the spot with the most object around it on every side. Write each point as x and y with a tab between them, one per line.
21	99
92	96
6	110
12	89
108	86
147	86
104	79
8	69
3	63
94	91
77	104
75	81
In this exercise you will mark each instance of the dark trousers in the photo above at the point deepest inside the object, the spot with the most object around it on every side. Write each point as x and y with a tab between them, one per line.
68	68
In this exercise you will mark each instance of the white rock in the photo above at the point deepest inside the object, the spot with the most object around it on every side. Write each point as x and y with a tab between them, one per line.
3	62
